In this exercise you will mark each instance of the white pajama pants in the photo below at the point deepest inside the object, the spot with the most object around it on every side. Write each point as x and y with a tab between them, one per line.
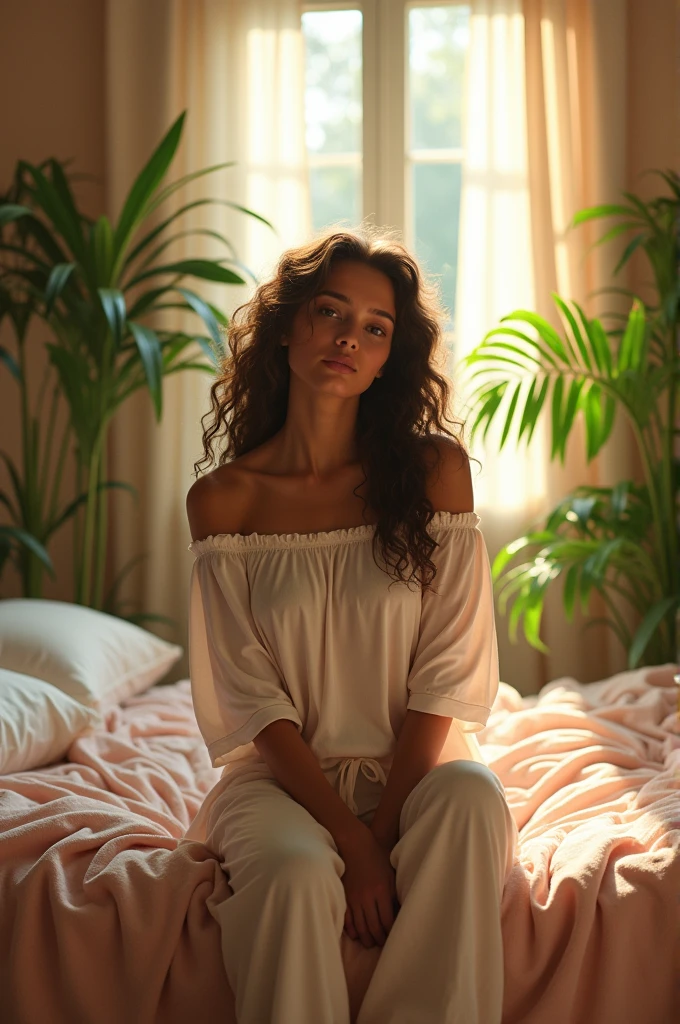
442	962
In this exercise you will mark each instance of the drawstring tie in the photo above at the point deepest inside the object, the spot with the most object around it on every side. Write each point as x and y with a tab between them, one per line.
347	775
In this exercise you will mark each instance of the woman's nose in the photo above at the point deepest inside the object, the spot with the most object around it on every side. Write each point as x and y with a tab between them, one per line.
349	332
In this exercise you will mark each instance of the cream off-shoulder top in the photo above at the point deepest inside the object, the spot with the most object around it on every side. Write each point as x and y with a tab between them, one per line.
306	627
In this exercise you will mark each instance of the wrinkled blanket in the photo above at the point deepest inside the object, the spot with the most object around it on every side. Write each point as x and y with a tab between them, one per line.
103	911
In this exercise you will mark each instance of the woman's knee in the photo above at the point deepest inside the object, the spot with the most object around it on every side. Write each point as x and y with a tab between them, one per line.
312	867
470	783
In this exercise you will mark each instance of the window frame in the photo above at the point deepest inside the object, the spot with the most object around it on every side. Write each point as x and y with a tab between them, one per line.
387	171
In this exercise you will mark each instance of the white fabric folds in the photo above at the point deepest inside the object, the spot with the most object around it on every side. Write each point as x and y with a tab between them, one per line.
307	627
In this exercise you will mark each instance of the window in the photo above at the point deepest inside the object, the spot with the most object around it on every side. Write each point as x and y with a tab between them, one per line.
383	103
333	114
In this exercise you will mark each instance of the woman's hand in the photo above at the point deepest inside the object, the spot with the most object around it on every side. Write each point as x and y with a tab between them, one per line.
386	841
370	889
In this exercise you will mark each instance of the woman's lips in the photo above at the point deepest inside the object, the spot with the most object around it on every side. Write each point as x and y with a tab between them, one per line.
340	367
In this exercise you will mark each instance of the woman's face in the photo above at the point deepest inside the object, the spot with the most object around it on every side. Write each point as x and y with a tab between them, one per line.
355	323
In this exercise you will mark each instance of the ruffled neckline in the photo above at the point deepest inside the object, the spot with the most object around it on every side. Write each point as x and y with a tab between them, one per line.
345	535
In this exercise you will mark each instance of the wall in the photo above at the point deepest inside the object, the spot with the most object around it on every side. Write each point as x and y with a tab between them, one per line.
52	102
653	101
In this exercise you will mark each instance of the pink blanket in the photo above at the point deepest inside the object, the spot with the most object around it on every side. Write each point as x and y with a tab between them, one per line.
104	916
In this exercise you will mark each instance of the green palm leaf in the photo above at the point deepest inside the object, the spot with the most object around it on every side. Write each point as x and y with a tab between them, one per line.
139	198
169	190
152	235
545	330
78	273
207	270
81	499
101	250
21	537
205	312
149	347
632	350
575	330
58	210
12	211
603	210
10	362
648	626
532	409
17	483
113	304
56	283
621	542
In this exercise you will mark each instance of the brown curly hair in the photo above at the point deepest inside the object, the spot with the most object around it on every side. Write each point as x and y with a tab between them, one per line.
397	413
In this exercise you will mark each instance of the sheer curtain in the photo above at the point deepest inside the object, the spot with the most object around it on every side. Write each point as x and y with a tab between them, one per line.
545	136
237	67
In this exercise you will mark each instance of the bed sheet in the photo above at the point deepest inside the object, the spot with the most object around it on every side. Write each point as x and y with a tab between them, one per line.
104	915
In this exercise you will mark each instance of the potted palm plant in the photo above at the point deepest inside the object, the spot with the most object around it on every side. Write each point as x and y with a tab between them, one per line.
99	286
16	540
620	541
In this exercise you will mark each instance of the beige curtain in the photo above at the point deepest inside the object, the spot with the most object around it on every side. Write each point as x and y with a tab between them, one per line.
237	67
545	122
545	130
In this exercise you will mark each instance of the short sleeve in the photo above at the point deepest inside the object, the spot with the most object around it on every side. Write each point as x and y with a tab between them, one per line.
455	671
235	685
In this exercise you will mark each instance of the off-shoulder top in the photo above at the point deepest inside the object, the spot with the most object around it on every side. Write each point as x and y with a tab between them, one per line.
307	627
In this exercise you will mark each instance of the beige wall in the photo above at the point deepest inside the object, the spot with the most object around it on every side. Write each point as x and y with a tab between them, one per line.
52	102
653	99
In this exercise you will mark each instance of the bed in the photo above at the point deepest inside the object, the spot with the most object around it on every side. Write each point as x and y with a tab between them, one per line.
105	906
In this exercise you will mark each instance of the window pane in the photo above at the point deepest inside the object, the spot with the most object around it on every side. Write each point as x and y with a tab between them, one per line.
333	81
438	42
335	195
436	203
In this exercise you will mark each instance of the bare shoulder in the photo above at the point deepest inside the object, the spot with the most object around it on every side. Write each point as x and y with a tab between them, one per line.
217	502
449	478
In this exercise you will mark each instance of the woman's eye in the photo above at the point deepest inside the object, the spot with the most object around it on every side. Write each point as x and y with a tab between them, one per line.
328	309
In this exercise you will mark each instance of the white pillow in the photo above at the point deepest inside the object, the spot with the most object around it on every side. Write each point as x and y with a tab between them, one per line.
38	723
96	658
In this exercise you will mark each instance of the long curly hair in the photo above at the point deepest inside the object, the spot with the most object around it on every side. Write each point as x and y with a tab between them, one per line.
398	414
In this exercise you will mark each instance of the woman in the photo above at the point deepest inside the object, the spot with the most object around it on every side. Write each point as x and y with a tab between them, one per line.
342	705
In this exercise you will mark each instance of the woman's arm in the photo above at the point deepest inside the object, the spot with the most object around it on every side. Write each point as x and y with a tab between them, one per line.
297	769
419	745
423	734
